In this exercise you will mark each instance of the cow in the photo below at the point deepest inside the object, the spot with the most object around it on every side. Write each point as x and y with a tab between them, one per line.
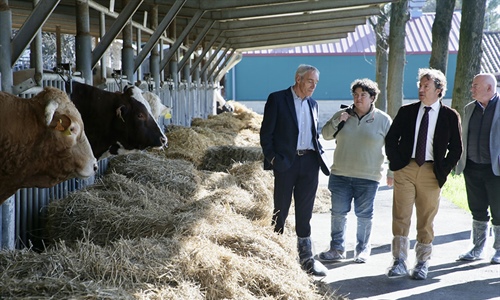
115	122
42	142
221	104
157	108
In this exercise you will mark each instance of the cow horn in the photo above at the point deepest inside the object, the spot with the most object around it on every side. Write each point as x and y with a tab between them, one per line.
50	110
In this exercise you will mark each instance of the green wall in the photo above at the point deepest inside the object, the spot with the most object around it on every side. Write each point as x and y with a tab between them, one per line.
257	76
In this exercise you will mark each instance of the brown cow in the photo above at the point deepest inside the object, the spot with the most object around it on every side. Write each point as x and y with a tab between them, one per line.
42	142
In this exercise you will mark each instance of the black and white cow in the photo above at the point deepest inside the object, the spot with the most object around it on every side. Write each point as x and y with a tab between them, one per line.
115	122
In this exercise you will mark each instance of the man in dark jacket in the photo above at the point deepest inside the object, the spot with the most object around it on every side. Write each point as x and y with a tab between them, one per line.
480	164
421	166
289	140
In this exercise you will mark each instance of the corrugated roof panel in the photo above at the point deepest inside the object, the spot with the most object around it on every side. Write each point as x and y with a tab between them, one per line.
455	33
410	43
490	61
363	41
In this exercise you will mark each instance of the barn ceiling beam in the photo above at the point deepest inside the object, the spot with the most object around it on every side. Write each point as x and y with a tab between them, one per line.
219	59
296	8
226	4
222	65
270	38
206	48
27	32
303	18
212	57
162	27
290	42
173	48
111	34
335	18
199	37
351	23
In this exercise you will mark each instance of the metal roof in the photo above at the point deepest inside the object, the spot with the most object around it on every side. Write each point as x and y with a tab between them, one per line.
362	40
248	24
490	61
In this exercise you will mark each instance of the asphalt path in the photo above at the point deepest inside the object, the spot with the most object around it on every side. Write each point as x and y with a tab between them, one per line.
447	278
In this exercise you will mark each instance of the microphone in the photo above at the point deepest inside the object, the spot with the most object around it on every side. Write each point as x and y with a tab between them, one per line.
342	123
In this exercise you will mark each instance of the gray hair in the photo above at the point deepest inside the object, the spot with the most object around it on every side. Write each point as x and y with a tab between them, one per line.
303	69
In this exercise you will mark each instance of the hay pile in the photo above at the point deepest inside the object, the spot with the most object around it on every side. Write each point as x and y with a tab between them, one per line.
221	158
155	227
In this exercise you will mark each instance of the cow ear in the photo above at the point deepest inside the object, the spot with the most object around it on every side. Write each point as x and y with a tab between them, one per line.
61	123
50	111
120	111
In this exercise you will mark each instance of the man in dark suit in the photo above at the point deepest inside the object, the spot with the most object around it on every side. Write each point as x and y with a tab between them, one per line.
289	140
420	168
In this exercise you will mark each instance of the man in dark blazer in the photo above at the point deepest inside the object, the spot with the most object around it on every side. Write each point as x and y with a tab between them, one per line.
289	140
418	178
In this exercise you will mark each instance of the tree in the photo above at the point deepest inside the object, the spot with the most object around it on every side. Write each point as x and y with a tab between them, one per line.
492	16
469	52
397	55
431	5
49	49
441	34
382	58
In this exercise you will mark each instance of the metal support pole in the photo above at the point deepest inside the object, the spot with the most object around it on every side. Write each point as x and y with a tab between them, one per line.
7	209
5	47
154	59
104	58
83	42
128	53
36	58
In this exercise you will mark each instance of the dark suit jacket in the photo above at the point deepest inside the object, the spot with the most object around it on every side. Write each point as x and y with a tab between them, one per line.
279	132
447	142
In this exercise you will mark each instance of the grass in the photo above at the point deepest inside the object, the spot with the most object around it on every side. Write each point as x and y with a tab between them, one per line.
454	191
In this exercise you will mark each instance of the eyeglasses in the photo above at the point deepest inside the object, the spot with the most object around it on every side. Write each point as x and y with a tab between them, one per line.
362	95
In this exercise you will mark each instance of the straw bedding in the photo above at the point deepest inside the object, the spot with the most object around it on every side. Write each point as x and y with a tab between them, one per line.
191	222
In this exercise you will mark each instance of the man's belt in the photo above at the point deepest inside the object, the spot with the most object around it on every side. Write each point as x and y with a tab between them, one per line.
304	152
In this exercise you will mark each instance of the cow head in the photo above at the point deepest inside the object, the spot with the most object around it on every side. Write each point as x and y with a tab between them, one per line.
137	129
42	142
72	152
157	108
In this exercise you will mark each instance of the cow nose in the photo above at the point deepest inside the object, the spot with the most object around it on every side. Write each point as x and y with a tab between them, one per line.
96	167
164	141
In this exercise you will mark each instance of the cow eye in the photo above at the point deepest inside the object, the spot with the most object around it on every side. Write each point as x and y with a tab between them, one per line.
141	116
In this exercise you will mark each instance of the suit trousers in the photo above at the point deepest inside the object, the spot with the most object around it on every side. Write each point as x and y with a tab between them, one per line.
483	192
301	180
414	185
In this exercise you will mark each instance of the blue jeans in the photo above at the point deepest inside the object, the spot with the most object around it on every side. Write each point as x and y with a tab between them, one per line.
344	191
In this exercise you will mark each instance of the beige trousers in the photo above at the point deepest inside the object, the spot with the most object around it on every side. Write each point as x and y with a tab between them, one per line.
414	185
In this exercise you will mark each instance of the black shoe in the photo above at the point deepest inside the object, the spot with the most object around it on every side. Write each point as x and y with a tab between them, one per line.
420	271
314	267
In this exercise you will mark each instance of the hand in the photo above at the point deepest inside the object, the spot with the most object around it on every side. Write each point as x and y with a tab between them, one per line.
390	181
344	116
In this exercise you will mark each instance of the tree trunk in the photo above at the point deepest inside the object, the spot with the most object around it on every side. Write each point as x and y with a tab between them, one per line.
469	52
397	56
441	34
381	59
